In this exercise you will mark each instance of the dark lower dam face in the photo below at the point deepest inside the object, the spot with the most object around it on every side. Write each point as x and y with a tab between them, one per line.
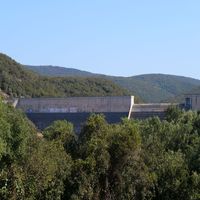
43	120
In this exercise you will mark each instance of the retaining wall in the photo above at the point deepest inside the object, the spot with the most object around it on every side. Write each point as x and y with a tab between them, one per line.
76	104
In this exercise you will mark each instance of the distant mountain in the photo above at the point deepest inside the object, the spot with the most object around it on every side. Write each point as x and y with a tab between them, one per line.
157	87
53	71
149	87
16	80
196	90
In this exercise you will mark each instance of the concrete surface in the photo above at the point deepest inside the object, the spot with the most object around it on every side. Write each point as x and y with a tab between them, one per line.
76	104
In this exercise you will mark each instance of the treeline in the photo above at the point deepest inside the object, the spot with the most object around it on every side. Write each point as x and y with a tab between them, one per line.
139	160
149	87
17	81
158	87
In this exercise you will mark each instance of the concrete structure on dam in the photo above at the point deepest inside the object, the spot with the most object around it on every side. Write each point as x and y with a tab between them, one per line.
143	111
43	111
192	102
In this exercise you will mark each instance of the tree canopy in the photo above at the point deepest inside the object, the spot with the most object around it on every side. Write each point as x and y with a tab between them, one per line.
136	160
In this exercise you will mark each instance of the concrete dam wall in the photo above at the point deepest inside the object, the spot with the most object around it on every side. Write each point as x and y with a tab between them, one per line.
43	111
76	104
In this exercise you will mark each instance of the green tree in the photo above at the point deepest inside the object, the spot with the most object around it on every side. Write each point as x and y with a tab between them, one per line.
62	131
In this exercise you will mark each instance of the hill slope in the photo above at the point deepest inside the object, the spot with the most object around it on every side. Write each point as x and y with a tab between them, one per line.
16	80
157	87
55	71
149	87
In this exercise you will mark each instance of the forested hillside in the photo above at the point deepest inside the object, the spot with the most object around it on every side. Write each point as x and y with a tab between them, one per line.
157	87
149	87
146	160
53	71
15	80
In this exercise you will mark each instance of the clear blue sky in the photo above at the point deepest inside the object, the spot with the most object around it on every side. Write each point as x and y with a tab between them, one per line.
118	37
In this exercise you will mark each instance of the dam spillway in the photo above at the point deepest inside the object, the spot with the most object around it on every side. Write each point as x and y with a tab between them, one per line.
43	111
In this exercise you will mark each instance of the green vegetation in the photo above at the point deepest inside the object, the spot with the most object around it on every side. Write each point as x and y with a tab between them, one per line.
55	71
158	87
141	160
30	168
132	160
149	87
17	81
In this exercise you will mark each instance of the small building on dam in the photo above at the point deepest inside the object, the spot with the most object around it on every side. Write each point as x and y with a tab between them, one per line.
43	111
192	102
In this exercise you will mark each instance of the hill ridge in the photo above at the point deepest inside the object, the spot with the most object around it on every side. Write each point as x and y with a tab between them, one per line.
154	87
16	80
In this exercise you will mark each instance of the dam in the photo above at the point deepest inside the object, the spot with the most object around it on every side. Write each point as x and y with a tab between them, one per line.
43	111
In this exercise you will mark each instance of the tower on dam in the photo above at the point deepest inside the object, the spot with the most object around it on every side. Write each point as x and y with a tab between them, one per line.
192	102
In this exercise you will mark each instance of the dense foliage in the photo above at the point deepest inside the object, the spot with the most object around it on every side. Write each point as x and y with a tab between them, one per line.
30	168
55	71
148	87
133	160
158	87
17	81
